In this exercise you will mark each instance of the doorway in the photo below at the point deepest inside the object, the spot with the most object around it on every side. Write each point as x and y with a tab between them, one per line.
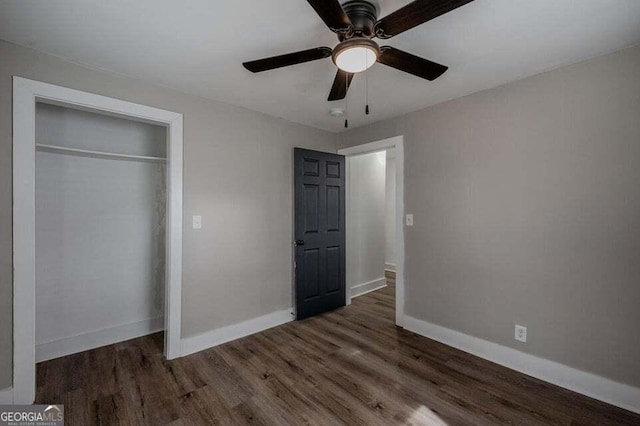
27	94
375	229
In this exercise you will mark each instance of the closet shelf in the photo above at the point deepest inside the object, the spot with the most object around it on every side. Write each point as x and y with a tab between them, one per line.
97	154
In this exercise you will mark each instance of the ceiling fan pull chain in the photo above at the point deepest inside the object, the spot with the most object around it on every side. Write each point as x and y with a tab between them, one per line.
366	109
346	101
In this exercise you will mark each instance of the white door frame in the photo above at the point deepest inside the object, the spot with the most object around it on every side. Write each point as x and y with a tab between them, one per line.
26	93
396	142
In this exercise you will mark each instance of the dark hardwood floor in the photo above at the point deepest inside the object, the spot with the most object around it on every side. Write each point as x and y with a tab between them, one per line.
351	366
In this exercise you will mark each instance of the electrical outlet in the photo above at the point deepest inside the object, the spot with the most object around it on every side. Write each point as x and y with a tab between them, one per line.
409	220
521	333
197	222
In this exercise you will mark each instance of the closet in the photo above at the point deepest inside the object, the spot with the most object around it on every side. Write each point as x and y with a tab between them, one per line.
100	213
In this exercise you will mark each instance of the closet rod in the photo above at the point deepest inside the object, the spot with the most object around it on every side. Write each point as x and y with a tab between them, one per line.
101	154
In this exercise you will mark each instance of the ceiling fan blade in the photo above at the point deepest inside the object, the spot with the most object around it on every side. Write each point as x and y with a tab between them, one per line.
340	85
288	59
414	14
331	13
412	64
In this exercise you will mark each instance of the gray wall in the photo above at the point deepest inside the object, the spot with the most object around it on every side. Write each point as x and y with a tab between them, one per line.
366	209
237	175
527	210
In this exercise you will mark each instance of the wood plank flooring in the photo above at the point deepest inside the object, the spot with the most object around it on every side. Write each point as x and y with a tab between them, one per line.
351	366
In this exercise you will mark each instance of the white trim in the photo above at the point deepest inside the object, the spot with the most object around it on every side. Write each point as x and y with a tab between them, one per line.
6	396
226	334
173	290
396	142
368	287
24	276
597	387
347	207
391	267
25	95
370	147
96	339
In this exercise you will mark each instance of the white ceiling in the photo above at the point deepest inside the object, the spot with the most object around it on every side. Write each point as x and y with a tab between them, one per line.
198	46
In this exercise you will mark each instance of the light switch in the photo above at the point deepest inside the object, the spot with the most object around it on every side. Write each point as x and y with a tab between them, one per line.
409	220
197	222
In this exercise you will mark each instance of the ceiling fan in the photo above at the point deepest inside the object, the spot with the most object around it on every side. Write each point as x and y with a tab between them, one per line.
356	24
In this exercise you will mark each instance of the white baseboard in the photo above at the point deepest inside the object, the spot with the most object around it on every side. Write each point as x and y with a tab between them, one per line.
368	287
226	334
390	267
6	396
96	339
597	387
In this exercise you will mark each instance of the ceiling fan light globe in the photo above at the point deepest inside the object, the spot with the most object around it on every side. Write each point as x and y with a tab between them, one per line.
355	56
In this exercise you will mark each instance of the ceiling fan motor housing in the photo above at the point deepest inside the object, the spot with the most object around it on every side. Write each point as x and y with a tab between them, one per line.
363	16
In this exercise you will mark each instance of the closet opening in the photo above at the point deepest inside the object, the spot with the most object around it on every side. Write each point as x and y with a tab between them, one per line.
97	224
100	222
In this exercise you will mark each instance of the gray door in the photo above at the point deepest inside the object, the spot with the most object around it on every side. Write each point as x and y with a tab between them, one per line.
320	281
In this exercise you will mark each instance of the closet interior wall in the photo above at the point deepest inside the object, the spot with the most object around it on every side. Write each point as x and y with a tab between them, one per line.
100	229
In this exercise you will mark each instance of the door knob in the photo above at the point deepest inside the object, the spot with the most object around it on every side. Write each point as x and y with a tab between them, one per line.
299	243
